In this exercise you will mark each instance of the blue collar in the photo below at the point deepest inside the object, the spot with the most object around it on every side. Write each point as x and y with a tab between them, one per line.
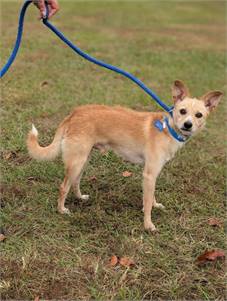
160	125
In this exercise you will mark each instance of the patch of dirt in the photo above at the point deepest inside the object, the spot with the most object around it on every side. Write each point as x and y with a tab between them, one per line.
10	192
15	157
46	279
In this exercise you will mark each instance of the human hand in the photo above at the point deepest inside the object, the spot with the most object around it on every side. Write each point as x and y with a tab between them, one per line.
52	6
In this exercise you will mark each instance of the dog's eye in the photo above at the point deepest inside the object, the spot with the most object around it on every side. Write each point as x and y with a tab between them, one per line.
198	115
183	111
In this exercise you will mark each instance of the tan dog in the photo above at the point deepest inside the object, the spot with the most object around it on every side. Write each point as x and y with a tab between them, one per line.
128	133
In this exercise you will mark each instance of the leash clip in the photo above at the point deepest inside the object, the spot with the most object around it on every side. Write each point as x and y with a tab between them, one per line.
159	125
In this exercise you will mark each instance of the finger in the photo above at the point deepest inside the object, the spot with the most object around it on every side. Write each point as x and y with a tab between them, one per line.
42	9
54	7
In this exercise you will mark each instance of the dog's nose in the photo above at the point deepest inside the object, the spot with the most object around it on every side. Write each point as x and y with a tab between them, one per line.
187	125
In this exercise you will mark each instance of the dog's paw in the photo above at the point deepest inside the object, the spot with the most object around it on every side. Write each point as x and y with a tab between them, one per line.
159	205
64	210
149	226
84	197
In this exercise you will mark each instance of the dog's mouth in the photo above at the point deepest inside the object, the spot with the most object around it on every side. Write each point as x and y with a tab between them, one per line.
186	132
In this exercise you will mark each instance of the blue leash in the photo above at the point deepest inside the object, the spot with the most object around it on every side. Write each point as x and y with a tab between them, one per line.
18	40
78	51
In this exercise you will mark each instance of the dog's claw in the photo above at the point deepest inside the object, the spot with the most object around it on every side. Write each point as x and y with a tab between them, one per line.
84	197
159	205
64	210
150	227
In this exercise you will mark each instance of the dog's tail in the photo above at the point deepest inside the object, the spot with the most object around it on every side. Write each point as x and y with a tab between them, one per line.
44	153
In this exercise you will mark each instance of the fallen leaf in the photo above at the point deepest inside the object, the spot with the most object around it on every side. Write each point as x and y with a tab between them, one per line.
113	261
93	178
44	84
2	237
126	262
211	256
127	174
45	115
32	180
9	155
214	222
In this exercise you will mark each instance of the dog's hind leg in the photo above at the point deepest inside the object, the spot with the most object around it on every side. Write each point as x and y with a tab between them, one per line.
63	191
76	184
75	156
72	178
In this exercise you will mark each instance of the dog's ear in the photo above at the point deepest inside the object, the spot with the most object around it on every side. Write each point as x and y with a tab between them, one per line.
211	99
179	91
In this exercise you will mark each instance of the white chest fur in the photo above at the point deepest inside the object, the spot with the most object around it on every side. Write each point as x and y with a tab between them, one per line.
171	149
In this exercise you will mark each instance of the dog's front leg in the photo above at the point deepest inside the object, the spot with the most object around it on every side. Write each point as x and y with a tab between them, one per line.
150	174
148	198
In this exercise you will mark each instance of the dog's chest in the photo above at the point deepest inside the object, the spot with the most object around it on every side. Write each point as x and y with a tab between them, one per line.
171	150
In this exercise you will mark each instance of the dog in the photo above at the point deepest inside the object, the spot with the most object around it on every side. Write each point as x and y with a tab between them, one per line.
130	134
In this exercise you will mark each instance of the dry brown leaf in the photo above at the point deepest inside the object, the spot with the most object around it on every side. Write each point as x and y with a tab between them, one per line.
93	178
44	115
9	155
32	180
113	261
127	174
44	84
126	262
214	222
2	237
211	256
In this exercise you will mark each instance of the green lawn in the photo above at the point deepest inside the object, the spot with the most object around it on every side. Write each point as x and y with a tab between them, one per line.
52	256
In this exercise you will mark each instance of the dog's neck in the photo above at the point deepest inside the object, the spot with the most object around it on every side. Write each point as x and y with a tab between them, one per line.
171	122
167	125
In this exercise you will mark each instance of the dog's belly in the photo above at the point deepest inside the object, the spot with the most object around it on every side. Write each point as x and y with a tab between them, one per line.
129	155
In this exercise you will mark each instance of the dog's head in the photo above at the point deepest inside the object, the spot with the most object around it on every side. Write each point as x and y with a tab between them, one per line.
189	114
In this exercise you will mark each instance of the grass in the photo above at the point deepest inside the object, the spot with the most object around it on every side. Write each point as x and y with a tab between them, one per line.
66	257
